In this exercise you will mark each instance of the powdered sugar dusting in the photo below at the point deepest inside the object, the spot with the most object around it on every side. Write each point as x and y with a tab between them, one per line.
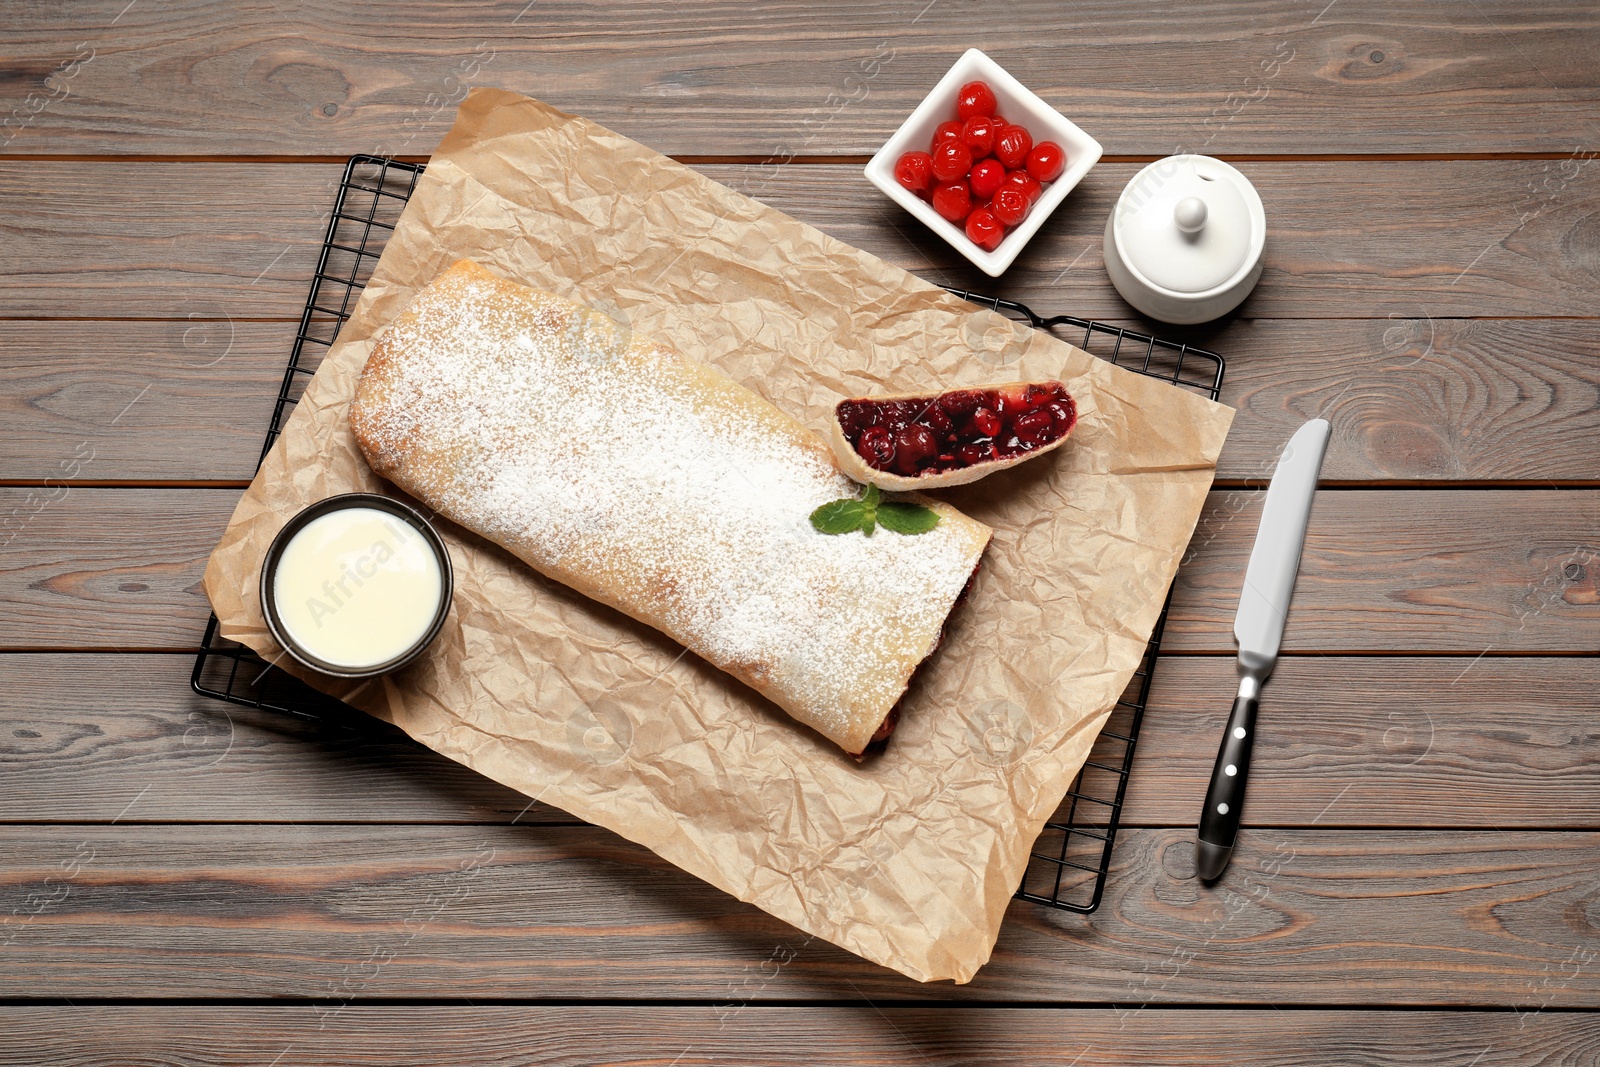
660	486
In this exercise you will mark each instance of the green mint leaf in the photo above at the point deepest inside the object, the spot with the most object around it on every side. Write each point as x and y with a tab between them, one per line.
906	518
867	512
840	516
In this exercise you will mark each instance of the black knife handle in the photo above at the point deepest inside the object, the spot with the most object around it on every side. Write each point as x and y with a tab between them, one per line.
1219	819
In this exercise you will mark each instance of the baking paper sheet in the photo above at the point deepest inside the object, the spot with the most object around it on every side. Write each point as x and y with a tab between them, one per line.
910	858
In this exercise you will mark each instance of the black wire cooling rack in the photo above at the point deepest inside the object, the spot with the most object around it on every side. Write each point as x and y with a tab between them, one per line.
1072	856
1068	865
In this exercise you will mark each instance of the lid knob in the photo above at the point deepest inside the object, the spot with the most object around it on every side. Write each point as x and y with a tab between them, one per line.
1190	214
1189	231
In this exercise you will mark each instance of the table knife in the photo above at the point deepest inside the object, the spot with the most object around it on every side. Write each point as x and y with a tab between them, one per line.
1258	627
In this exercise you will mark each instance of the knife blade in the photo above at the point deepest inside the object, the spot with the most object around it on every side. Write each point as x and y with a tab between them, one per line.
1258	627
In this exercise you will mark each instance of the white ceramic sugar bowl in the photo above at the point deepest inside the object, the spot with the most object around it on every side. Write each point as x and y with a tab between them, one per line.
1184	242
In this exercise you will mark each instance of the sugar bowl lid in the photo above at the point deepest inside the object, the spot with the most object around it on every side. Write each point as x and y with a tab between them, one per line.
1189	223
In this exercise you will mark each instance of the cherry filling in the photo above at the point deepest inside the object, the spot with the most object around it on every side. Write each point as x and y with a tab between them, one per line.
958	429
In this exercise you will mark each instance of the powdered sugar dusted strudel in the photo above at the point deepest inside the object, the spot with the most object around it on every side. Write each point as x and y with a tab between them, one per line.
660	486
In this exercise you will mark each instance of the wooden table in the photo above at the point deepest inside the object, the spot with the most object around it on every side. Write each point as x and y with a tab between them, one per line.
1419	878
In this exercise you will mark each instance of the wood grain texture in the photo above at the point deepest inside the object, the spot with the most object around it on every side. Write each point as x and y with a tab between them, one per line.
177	400
1398	743
754	1035
1322	917
1456	571
1409	240
162	240
1443	571
106	568
83	735
1414	400
1421	832
1452	742
829	78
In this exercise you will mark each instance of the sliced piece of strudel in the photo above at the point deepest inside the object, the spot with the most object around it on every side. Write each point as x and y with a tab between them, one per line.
658	485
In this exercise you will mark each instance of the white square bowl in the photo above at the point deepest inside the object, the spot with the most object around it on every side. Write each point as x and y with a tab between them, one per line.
1019	106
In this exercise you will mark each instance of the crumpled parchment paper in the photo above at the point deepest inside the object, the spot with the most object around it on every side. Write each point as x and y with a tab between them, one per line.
911	858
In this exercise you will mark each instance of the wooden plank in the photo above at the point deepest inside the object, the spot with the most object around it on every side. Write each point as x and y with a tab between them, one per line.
830	78
1459	571
1409	240
1445	742
177	400
1345	239
1411	400
860	1034
107	568
162	240
1398	743
82	735
1467	571
1321	917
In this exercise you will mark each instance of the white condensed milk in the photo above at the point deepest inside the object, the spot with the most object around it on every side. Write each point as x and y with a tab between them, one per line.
357	587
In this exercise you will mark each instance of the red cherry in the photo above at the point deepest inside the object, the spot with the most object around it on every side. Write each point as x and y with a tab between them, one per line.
952	200
1012	145
895	415
876	447
1011	405
973	454
961	402
1010	206
975	98
978	133
947	131
987	176
914	170
935	419
951	160
1034	427
913	446
854	416
1063	415
985	423
984	230
1046	162
1021	179
1034	396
